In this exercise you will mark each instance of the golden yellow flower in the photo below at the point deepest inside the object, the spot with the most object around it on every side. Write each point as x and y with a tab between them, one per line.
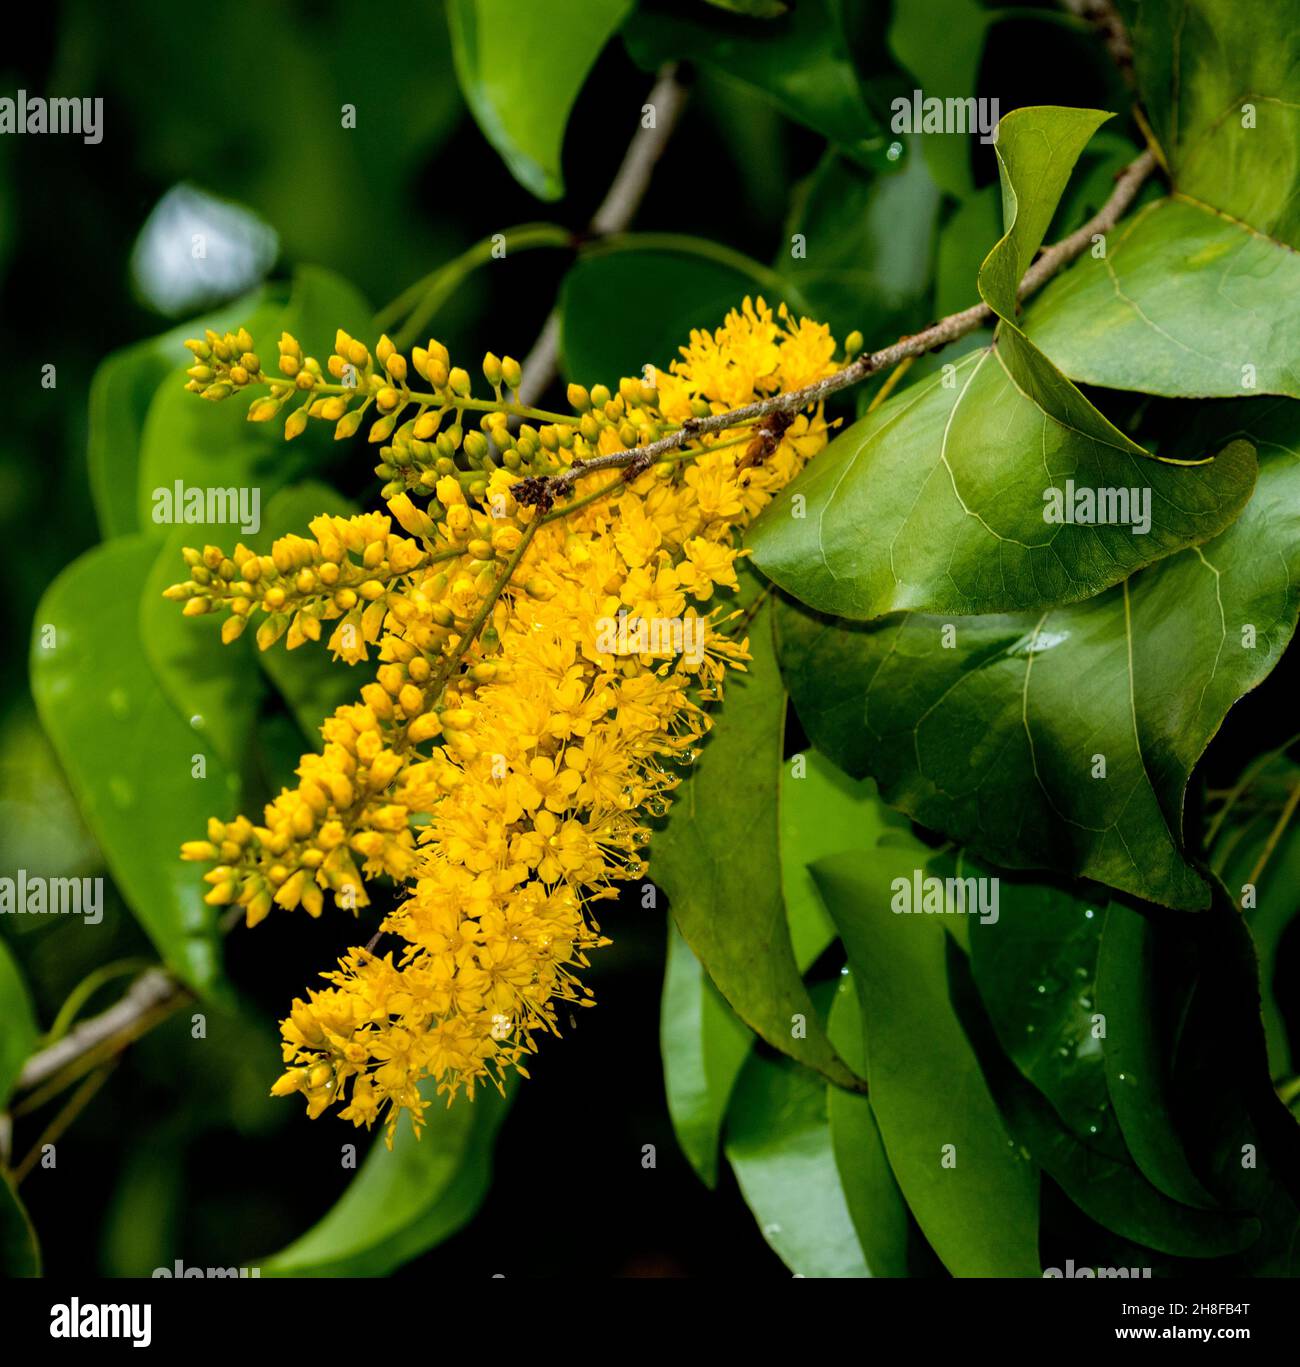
504	762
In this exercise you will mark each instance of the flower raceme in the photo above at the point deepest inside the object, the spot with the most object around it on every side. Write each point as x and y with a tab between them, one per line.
517	736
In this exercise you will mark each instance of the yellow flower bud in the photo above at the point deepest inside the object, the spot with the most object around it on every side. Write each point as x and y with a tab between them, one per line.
424	728
295	1080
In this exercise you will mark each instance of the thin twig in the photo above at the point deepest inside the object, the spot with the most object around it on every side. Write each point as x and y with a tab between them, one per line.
628	188
1284	820
1109	26
76	1103
148	992
1234	794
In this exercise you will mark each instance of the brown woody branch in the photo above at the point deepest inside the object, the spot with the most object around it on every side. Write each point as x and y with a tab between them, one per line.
637	459
626	191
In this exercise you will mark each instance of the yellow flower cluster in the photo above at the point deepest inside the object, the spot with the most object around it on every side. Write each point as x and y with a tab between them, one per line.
557	662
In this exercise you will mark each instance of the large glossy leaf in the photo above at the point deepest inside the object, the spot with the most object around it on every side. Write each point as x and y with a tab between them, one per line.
520	69
128	755
822	812
779	1145
982	730
1141	1002
704	1047
1109	1190
1186	299
799	60
1036	968
20	1254
401	1203
718	861
19	1032
876	1206
938	501
971	1189
1199	66
1039	969
1184	303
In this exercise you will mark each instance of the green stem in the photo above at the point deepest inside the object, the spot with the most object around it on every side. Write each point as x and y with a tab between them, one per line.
424	298
1252	772
674	458
86	989
476	623
77	1103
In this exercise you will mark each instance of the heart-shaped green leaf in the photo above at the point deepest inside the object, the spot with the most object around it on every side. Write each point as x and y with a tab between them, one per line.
1186	298
962	494
1064	739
